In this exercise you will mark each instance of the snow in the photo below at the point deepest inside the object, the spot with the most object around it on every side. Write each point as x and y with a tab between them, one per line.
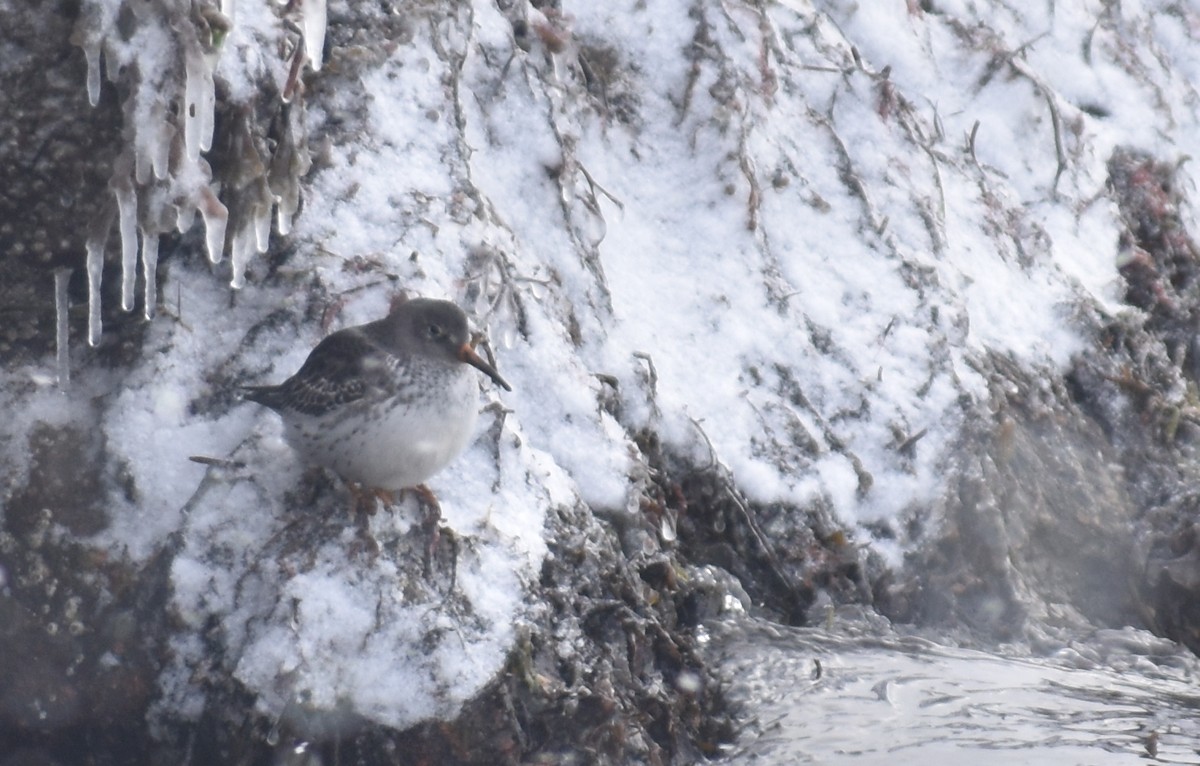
787	258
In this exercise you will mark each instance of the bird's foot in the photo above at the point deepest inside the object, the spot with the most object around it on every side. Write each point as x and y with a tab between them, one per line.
364	498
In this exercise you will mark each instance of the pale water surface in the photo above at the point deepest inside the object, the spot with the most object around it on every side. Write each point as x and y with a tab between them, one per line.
861	695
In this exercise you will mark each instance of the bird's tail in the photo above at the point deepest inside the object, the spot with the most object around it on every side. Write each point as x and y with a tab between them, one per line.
268	396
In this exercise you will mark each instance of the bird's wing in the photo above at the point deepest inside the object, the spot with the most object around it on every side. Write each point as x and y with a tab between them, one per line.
343	368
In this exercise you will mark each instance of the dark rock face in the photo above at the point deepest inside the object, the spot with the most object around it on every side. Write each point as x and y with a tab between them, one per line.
1080	504
1140	385
1032	528
56	156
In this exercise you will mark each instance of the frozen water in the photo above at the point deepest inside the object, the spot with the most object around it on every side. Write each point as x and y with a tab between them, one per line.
127	226
199	100
149	272
313	13
95	273
62	340
216	218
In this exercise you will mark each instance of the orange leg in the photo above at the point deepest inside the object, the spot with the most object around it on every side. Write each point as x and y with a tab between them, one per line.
433	515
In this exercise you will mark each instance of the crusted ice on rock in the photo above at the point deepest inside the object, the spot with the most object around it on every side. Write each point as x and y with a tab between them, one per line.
164	57
149	271
313	16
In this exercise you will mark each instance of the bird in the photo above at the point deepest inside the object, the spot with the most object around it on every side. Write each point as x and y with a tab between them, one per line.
387	404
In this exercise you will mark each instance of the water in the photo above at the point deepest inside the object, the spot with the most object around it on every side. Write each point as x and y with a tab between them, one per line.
850	695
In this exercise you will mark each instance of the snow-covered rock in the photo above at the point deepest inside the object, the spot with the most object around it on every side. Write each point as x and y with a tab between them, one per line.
798	290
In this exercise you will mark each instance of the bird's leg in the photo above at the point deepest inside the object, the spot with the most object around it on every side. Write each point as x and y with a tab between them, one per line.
427	501
363	507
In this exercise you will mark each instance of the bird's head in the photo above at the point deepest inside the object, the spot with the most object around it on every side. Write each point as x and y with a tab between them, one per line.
439	329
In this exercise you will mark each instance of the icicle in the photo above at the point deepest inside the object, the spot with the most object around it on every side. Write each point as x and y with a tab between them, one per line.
289	163
62	339
141	156
262	225
229	8
283	216
152	144
313	12
95	270
162	133
185	216
199	101
242	248
91	51
216	217
149	272
127	223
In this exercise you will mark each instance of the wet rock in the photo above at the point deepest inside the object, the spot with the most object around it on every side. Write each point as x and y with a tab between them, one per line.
1038	520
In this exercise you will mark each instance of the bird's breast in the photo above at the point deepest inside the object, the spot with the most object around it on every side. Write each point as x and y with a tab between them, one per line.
394	440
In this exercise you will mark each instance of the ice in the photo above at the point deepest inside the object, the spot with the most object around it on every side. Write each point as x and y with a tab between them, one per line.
149	272
62	303
284	209
262	225
152	143
95	271
241	249
91	52
313	12
127	222
289	164
216	216
185	216
199	101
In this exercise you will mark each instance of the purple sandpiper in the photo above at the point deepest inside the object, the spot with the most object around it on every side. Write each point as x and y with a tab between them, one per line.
387	404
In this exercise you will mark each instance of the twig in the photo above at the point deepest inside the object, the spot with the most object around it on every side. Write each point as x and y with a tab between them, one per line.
217	462
595	186
971	143
906	446
1060	151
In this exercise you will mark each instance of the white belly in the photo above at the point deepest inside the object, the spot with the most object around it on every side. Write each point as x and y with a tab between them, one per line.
392	446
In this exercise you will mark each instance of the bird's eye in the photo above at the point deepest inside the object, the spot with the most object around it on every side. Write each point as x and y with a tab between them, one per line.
434	331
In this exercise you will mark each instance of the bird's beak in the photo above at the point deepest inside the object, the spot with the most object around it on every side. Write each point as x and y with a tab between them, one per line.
468	355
